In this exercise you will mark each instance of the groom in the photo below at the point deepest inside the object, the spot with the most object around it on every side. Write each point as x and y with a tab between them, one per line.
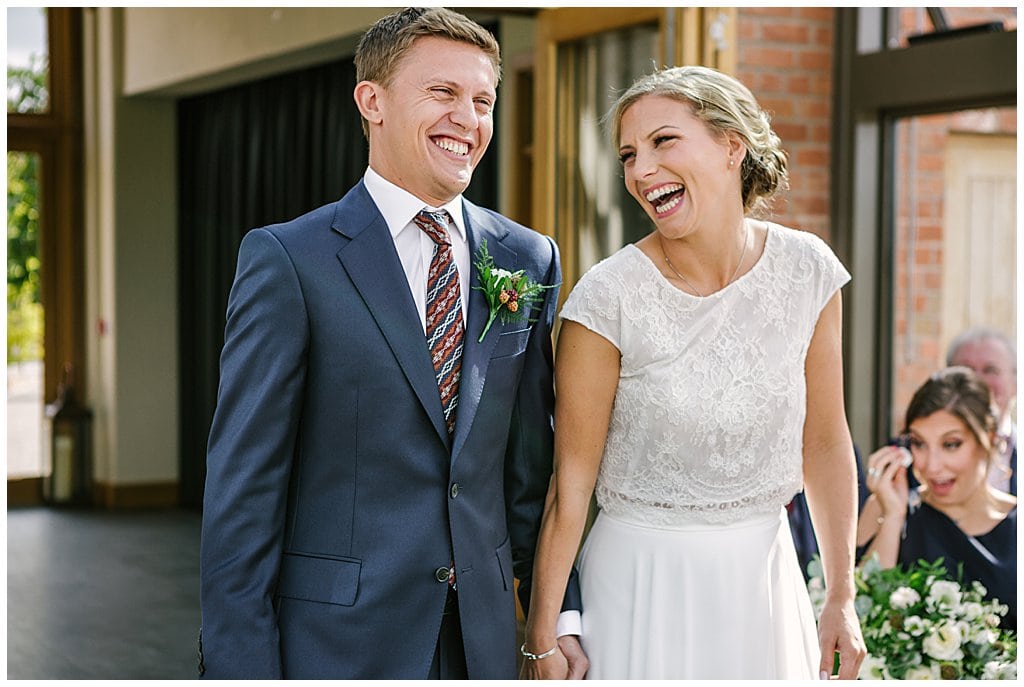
378	464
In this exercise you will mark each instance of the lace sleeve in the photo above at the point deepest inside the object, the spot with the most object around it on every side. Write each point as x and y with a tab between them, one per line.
595	302
832	275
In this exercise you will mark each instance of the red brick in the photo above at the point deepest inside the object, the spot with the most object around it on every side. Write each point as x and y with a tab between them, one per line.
777	107
762	12
771	82
789	131
814	108
799	84
813	156
747	30
821	134
815	59
786	32
769	57
823	14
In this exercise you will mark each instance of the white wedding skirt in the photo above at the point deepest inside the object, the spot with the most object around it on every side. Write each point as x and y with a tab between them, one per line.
704	601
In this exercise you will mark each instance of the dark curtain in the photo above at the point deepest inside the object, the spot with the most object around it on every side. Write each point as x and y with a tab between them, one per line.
248	156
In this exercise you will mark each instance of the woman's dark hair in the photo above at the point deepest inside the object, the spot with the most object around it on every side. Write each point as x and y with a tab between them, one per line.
962	393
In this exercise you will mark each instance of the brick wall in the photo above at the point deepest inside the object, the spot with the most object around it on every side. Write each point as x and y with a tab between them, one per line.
785	58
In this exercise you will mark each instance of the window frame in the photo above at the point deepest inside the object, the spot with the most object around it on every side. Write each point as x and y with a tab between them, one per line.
56	135
874	87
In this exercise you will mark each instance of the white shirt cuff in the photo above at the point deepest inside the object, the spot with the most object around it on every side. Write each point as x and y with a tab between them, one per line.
569	623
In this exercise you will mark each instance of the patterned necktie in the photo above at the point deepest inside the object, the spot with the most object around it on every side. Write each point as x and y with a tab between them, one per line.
445	330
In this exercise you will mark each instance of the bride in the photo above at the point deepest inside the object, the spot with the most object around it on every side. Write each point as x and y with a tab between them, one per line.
699	387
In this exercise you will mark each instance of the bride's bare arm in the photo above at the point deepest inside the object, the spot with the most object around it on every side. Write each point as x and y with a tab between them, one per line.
830	477
586	377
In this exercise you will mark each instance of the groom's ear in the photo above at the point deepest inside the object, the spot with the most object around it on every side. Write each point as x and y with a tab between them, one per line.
369	99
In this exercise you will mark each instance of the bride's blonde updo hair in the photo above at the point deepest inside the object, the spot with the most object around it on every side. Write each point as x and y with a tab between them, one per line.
725	105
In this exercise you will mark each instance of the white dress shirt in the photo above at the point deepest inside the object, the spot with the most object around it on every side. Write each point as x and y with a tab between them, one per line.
415	250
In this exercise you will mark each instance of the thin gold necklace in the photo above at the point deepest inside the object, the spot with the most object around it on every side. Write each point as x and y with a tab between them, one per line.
743	254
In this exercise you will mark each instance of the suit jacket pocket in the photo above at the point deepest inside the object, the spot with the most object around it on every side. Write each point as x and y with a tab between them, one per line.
511	343
319	578
504	554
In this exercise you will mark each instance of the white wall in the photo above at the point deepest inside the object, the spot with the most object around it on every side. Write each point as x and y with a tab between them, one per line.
139	60
131	270
181	50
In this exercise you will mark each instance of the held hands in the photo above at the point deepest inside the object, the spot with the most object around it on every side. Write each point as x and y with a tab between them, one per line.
886	477
568	662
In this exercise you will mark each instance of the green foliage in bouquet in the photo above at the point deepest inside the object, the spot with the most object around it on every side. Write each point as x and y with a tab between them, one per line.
922	623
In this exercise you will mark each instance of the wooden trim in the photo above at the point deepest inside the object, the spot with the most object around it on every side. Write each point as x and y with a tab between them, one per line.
688	36
723	59
24	492
57	137
572	23
131	496
955	73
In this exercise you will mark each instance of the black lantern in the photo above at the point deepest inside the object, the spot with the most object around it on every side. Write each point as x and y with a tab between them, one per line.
70	480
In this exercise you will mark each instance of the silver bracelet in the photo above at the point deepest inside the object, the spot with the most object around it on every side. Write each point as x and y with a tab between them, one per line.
537	657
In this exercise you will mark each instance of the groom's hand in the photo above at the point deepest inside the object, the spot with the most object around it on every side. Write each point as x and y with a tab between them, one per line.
574	656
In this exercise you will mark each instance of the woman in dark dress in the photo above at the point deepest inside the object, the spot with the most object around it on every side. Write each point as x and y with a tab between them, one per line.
954	514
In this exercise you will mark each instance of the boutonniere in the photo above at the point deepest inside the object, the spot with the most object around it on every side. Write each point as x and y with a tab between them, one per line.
509	294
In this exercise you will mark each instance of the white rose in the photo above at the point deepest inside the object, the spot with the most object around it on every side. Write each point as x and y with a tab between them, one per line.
943	643
944	593
994	670
972	610
929	672
904	597
915	626
873	668
984	636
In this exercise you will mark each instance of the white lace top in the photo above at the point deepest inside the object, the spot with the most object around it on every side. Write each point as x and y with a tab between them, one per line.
707	423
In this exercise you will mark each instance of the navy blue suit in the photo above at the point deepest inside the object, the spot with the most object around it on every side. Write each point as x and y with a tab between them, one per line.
334	494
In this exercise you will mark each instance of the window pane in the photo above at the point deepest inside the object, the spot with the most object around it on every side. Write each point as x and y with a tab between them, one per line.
24	317
592	199
28	60
955	246
915	21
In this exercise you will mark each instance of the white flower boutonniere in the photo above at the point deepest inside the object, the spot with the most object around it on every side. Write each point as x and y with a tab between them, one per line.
509	294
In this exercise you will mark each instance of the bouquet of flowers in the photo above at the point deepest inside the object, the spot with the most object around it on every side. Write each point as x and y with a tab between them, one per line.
921	624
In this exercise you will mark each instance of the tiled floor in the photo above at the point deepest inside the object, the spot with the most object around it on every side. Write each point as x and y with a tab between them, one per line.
95	595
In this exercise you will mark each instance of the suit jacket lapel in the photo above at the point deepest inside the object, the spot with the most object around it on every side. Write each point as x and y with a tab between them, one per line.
476	355
372	263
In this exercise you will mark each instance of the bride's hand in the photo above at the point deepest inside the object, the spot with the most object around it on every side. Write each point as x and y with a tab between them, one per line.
839	631
575	656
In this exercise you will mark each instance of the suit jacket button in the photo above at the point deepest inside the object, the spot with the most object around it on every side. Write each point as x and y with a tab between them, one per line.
441	574
454	491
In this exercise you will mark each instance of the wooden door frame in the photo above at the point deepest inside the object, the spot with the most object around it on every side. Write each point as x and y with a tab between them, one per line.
56	136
